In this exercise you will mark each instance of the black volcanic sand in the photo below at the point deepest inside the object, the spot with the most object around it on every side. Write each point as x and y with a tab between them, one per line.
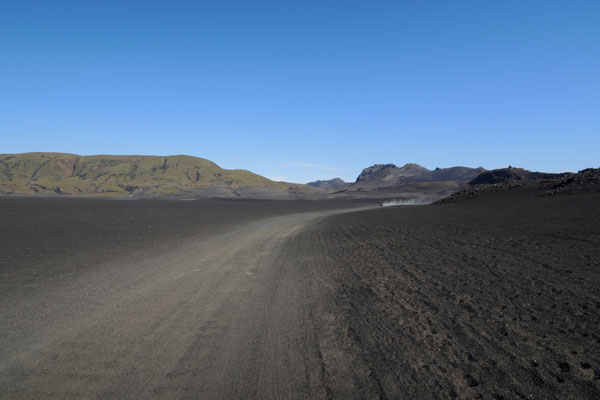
494	297
42	238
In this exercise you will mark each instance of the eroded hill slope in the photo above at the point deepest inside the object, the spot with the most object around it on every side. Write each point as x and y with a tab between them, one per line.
59	173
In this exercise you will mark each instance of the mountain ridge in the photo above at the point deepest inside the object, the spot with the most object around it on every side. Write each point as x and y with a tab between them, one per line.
65	173
510	173
391	174
53	173
542	183
335	183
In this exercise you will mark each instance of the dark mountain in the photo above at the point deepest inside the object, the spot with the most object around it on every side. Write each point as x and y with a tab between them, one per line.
455	174
539	183
410	182
331	184
392	175
512	174
389	174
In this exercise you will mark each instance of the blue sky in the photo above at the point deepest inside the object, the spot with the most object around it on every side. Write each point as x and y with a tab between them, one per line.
306	90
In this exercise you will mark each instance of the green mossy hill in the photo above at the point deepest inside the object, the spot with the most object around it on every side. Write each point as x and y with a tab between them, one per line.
71	174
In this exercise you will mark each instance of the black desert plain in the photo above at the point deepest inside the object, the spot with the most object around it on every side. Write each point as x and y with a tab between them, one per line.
298	200
490	293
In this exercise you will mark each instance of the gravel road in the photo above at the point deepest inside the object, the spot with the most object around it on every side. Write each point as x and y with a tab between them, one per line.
496	297
223	316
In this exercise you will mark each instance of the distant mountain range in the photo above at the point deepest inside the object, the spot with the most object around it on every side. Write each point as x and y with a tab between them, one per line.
59	173
390	174
410	181
192	177
385	175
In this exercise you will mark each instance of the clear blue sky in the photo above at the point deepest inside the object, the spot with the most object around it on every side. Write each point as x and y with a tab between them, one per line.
303	90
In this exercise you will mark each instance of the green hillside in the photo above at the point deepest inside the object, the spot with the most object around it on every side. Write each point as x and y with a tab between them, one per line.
71	174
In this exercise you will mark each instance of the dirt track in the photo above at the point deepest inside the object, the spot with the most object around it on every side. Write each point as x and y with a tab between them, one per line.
496	299
213	318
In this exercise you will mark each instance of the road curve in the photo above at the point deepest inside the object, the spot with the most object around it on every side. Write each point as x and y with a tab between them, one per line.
225	317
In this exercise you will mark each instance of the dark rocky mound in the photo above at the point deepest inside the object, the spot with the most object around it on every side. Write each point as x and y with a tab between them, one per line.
585	181
331	184
456	174
540	183
511	174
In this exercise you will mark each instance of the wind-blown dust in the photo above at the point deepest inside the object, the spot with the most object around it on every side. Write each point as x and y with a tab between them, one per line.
406	202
